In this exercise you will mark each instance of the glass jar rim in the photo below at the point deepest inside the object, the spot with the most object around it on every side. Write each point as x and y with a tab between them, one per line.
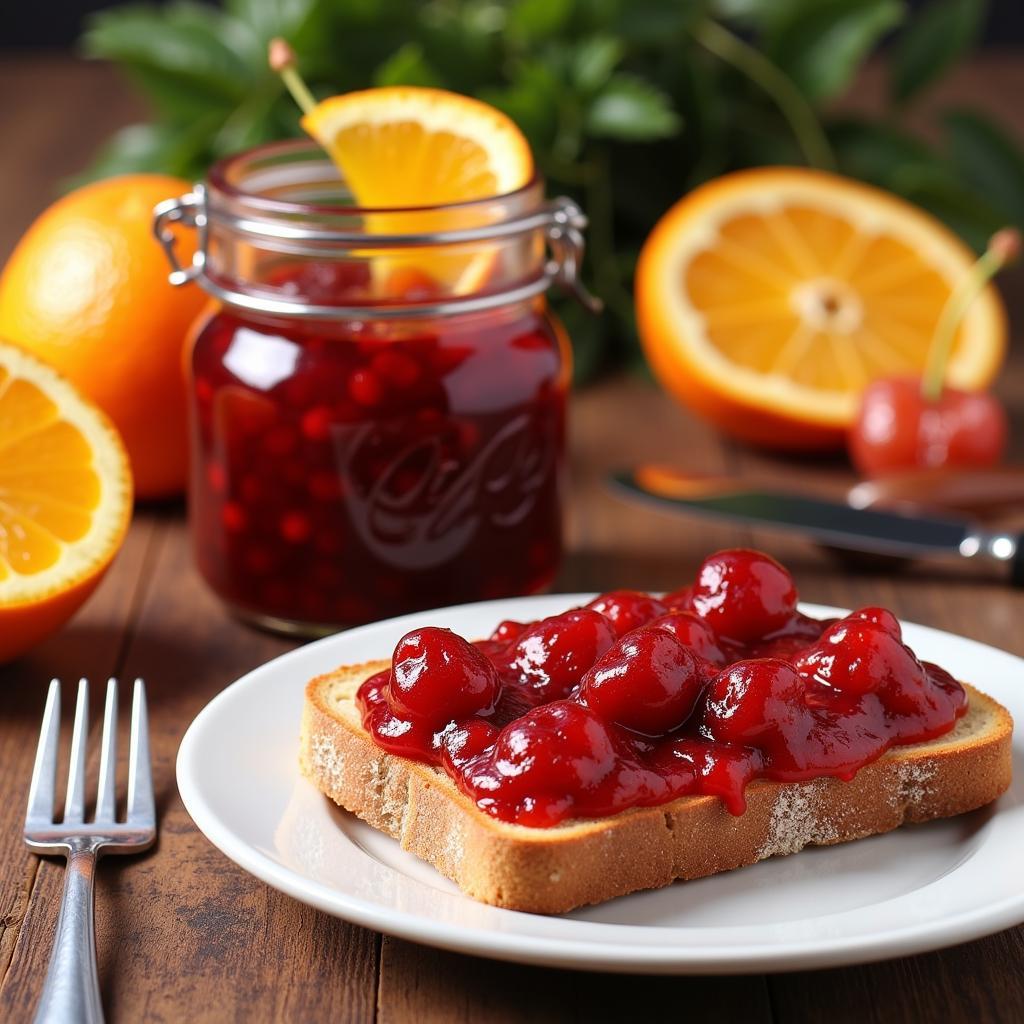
220	173
240	204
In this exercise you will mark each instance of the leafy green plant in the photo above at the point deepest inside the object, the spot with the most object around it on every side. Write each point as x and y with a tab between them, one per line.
627	103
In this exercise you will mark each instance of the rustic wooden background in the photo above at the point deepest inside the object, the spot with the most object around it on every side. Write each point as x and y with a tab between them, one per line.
184	934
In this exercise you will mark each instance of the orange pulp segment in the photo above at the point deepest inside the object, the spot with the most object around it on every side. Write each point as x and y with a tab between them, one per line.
768	299
65	499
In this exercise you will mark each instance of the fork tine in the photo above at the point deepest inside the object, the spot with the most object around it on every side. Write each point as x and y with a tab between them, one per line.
141	808
106	807
44	773
74	804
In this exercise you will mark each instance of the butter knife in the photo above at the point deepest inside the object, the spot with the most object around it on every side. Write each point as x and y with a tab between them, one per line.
835	523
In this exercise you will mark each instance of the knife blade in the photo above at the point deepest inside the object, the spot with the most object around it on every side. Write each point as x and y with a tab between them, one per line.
829	522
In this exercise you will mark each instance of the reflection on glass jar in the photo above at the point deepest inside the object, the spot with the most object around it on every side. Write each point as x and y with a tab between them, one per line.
400	449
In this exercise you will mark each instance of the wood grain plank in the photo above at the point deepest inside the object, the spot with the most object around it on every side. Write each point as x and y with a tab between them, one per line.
978	982
428	986
182	931
615	542
90	646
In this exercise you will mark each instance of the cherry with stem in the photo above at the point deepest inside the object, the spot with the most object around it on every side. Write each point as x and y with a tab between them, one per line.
907	423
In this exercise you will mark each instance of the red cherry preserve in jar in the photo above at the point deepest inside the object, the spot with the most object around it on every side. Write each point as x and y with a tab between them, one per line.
378	397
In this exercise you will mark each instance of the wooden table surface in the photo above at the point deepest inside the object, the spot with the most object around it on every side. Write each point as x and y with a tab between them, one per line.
184	934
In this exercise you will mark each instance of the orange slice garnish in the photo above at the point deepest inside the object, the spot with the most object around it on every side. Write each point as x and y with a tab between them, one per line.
405	147
768	299
65	499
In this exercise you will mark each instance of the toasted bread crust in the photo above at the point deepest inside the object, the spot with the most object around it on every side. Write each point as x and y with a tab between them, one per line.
552	870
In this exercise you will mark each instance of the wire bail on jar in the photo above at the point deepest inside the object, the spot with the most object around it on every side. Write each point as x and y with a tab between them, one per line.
561	220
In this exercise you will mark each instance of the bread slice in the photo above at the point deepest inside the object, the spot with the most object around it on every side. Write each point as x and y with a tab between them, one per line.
551	870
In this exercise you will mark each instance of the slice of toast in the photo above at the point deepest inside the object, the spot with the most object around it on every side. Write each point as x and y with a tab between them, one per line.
551	870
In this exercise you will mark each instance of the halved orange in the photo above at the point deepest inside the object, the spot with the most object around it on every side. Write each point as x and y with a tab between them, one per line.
65	499
408	147
768	299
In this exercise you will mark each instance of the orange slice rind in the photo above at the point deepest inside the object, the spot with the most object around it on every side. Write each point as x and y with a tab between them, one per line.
404	148
65	499
768	299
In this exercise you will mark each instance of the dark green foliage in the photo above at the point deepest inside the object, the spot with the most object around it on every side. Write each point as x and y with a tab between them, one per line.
627	103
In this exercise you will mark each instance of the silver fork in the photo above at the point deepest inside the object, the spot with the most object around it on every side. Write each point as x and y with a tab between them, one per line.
71	992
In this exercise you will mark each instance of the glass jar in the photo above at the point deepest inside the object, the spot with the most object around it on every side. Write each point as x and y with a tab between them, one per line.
378	398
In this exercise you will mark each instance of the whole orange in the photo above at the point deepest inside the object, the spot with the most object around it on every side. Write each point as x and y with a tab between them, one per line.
86	290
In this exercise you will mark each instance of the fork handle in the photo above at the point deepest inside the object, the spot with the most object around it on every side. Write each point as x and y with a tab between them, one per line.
71	992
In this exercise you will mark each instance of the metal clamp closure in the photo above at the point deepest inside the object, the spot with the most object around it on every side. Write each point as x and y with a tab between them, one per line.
190	211
561	221
564	234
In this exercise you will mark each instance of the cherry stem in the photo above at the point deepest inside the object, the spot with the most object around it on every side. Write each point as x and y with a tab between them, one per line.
281	58
1003	248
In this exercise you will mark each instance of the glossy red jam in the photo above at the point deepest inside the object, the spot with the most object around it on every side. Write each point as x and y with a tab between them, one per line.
635	700
349	471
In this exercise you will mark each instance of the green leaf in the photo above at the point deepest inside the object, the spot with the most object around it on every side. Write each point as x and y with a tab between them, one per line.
407	66
150	148
531	100
657	23
762	141
594	60
757	13
883	154
822	46
932	42
538	19
886	156
269	18
465	48
136	148
989	160
632	110
180	49
967	213
251	123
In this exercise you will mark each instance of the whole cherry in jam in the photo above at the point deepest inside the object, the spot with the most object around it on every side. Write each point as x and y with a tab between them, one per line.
467	740
744	595
438	677
627	609
754	703
648	682
881	617
858	656
679	600
692	631
554	751
552	655
508	630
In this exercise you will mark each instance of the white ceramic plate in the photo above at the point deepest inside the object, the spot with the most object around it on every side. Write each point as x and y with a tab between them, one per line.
918	888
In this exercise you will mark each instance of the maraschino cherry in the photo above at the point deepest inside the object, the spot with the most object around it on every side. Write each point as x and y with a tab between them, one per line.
909	423
649	681
744	595
438	677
